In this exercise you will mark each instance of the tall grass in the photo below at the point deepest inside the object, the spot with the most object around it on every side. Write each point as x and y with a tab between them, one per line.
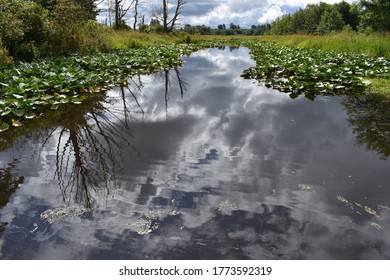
372	44
124	39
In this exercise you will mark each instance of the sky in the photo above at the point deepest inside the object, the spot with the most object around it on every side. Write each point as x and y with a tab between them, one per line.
242	12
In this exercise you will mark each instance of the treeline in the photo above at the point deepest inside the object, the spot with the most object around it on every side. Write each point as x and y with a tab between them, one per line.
363	16
222	29
30	29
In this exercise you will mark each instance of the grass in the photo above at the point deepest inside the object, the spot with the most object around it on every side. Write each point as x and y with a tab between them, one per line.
377	45
124	39
379	86
26	89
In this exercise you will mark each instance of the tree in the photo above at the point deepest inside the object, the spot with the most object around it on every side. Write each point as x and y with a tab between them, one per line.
169	13
137	5
121	7
222	27
331	20
349	14
376	14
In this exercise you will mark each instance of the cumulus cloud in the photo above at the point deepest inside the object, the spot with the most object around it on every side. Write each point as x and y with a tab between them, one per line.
271	14
242	12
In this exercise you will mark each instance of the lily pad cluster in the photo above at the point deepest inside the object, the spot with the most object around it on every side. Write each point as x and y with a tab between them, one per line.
26	90
310	72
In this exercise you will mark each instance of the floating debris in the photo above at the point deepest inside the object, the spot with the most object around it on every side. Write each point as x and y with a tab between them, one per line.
376	226
306	187
226	207
383	207
342	199
62	214
145	226
365	208
372	212
150	221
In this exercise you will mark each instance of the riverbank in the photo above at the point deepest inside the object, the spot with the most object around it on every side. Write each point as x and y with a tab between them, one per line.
27	89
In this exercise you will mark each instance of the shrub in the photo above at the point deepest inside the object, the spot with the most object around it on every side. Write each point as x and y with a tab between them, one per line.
5	60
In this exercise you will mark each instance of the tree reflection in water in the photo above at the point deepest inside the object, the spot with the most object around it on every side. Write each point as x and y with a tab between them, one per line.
369	116
91	137
88	146
169	80
8	185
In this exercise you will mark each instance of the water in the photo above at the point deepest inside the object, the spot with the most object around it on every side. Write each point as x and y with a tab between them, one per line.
198	163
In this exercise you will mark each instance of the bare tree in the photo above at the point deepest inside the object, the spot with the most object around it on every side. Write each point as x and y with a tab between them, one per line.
169	13
121	9
137	7
118	9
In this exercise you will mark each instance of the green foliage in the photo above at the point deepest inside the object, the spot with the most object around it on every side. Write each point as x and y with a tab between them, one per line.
11	27
31	88
323	18
331	20
24	27
33	29
5	59
349	14
310	72
67	26
373	44
376	14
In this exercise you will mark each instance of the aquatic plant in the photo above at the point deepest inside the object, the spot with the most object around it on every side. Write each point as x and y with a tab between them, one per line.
309	71
26	90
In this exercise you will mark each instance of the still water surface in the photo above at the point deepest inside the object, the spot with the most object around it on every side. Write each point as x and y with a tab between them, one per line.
198	163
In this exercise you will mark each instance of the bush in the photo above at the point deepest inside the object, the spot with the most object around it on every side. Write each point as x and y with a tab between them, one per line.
92	37
67	27
23	27
5	60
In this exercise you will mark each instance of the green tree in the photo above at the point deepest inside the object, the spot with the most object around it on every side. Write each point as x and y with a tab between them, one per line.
313	14
66	28
23	27
349	14
376	14
331	20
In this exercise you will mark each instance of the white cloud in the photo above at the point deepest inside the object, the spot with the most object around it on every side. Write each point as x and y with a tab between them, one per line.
271	14
242	12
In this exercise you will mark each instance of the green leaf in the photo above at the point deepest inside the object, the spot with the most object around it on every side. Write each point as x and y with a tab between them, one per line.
4	127
17	96
19	112
7	112
30	115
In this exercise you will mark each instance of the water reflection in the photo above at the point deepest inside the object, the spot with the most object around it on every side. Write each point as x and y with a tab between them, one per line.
197	163
369	117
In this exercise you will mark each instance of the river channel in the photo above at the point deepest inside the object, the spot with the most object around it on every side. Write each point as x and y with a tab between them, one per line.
199	163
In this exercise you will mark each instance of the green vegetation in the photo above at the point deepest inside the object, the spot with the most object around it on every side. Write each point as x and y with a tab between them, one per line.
54	52
375	45
30	88
311	72
35	29
372	45
363	16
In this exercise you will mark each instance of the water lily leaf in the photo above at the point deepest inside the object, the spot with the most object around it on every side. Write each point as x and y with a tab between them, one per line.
4	127
17	96
5	113
30	115
19	112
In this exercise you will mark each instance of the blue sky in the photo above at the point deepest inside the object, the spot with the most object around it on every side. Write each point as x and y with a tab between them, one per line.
242	12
